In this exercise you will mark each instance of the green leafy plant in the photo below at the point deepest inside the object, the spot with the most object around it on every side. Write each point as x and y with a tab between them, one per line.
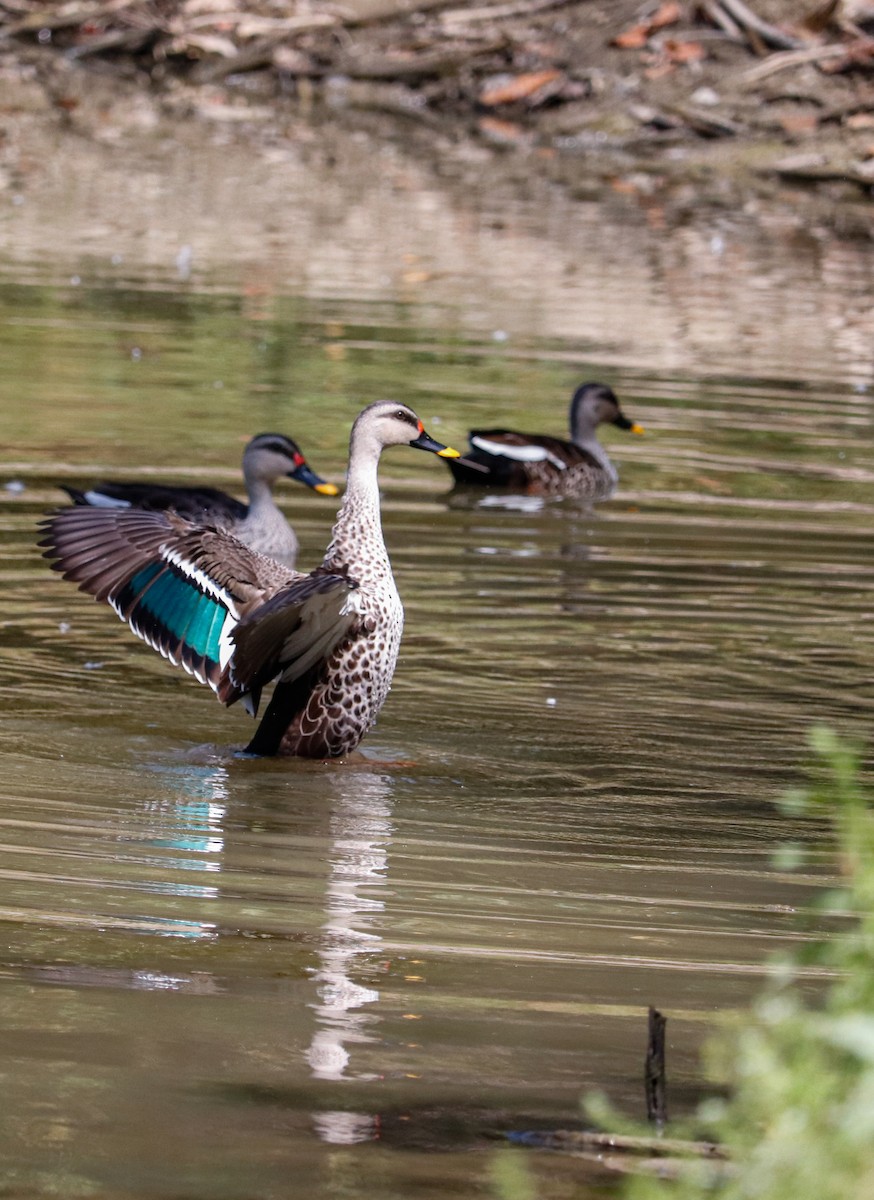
799	1124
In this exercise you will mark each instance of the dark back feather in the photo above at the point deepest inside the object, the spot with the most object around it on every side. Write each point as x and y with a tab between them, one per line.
202	505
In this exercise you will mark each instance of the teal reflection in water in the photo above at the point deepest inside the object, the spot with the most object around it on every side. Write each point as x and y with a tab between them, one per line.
199	812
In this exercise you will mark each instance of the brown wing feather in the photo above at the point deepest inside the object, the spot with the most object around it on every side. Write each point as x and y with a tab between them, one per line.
99	548
567	452
291	633
179	587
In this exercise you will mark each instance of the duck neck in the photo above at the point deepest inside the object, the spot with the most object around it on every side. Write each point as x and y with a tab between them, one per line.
592	446
357	531
585	435
260	496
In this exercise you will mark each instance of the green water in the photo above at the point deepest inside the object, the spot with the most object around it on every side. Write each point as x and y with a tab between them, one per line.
243	979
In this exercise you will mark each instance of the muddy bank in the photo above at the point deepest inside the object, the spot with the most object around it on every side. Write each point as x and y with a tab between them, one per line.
644	253
681	105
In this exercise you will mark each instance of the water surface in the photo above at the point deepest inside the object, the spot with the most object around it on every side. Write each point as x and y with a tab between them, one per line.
231	978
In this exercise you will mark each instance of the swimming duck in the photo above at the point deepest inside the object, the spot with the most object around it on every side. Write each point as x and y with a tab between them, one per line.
535	462
236	619
259	524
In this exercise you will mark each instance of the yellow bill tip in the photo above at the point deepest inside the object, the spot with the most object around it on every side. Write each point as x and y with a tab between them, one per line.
448	452
327	489
635	428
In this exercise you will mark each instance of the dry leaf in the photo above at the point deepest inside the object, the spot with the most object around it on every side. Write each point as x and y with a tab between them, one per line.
684	52
625	187
632	39
500	131
519	88
636	36
667	14
659	70
799	124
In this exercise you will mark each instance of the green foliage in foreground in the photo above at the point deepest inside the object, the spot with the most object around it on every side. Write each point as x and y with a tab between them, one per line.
800	1121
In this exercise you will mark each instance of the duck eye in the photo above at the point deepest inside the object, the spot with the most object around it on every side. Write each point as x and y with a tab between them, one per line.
401	415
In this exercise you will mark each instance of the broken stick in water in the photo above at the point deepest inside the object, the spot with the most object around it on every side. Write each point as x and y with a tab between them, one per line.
654	1070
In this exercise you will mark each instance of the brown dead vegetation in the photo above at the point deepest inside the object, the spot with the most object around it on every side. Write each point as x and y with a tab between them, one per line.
557	77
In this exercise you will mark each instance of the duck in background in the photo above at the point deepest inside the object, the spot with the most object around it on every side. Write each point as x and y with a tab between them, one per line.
236	619
538	463
260	524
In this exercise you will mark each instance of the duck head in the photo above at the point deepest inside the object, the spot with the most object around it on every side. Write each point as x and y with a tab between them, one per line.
269	456
389	423
595	404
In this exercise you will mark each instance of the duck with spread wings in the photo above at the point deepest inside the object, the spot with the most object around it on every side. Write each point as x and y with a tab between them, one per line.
237	619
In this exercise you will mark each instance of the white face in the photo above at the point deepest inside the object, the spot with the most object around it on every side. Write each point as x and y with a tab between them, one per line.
394	424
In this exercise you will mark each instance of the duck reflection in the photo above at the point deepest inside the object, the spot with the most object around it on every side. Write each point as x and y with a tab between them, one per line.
567	535
207	820
464	498
361	831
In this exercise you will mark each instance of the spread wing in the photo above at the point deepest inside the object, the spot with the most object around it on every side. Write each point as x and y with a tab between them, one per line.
180	587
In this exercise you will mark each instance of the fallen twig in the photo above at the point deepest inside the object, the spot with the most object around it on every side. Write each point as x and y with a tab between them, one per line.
206	43
418	66
498	11
791	58
753	24
382	97
250	58
707	124
65	16
131	40
386	10
842	111
248	25
816	168
714	12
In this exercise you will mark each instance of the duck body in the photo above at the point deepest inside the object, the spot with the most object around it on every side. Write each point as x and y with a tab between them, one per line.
259	524
334	706
539	463
237	619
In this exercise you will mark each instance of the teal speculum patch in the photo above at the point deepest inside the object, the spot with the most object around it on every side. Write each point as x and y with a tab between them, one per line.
161	600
